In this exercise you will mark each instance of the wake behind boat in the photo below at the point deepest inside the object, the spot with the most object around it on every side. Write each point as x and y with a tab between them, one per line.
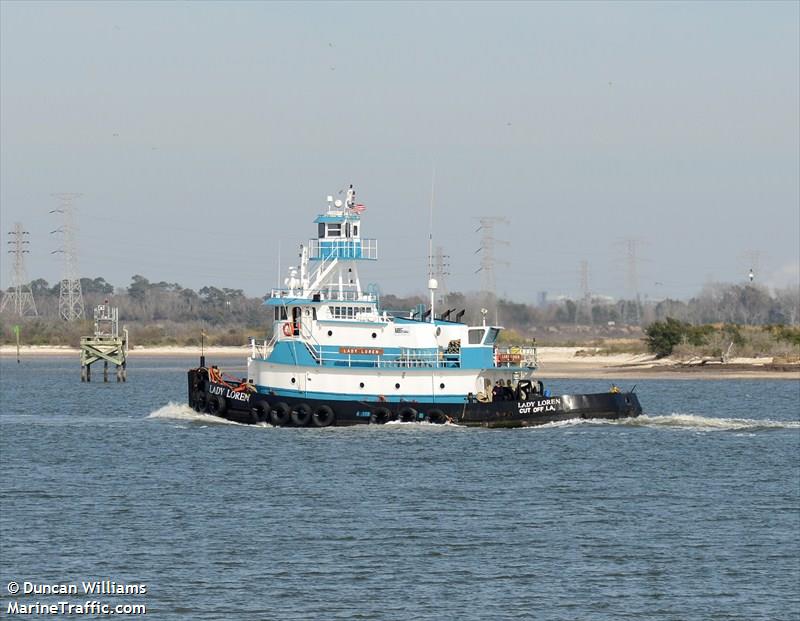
337	358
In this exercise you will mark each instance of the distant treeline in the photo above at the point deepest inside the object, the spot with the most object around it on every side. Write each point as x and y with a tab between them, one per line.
156	313
166	313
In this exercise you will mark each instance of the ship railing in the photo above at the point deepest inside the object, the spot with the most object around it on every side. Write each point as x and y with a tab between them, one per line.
311	343
260	350
348	296
516	357
408	359
324	295
284	293
405	359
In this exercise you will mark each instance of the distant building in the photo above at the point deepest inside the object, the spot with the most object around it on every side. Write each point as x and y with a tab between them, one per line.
541	298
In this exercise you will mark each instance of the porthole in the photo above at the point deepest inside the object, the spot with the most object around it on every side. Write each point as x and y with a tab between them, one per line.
374	335
441	385
397	385
361	385
330	332
294	380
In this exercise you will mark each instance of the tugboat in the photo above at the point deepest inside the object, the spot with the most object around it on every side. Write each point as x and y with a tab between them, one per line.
337	358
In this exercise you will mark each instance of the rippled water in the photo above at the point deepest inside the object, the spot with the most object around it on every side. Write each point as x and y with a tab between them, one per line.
691	511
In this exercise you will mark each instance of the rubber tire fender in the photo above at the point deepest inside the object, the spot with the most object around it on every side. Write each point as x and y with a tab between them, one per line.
261	412
407	415
279	414
437	417
216	405
200	401
380	416
301	415
323	416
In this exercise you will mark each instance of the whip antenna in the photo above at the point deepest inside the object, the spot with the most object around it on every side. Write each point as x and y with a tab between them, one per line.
432	284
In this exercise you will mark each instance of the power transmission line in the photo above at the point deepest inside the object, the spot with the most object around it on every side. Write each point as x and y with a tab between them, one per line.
586	296
70	297
20	296
441	269
633	279
488	260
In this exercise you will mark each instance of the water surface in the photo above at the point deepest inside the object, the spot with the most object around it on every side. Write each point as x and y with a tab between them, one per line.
691	511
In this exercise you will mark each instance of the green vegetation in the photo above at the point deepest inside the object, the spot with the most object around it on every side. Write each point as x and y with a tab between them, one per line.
673	337
664	336
785	334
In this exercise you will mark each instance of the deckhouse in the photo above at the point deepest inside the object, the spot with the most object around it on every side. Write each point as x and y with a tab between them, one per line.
332	341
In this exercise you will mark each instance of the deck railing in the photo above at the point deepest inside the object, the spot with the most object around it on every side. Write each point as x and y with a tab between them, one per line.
407	358
332	294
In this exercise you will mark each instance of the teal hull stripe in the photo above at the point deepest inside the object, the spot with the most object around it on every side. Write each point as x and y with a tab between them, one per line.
333	396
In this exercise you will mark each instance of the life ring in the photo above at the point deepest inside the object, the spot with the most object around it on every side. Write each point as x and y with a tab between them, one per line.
279	414
323	416
380	416
287	329
301	415
261	412
437	417
216	405
407	414
200	401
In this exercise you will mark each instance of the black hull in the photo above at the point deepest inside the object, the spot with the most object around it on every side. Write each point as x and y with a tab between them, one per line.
253	408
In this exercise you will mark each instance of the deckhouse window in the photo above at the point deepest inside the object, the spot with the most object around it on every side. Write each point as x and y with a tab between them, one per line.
335	230
475	336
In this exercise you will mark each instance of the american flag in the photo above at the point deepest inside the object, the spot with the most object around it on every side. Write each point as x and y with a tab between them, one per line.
359	208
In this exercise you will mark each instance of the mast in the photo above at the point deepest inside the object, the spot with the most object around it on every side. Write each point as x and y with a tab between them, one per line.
432	284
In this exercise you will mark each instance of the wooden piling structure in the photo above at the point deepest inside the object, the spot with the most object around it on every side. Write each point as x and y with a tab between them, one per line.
107	345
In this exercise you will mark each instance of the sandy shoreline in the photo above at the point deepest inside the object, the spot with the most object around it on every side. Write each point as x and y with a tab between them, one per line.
561	362
554	362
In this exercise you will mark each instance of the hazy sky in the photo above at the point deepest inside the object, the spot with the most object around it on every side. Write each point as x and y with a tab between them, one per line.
204	135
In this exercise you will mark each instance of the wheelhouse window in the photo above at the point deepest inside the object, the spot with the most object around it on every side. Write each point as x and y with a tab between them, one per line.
321	230
491	336
334	230
280	313
475	336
